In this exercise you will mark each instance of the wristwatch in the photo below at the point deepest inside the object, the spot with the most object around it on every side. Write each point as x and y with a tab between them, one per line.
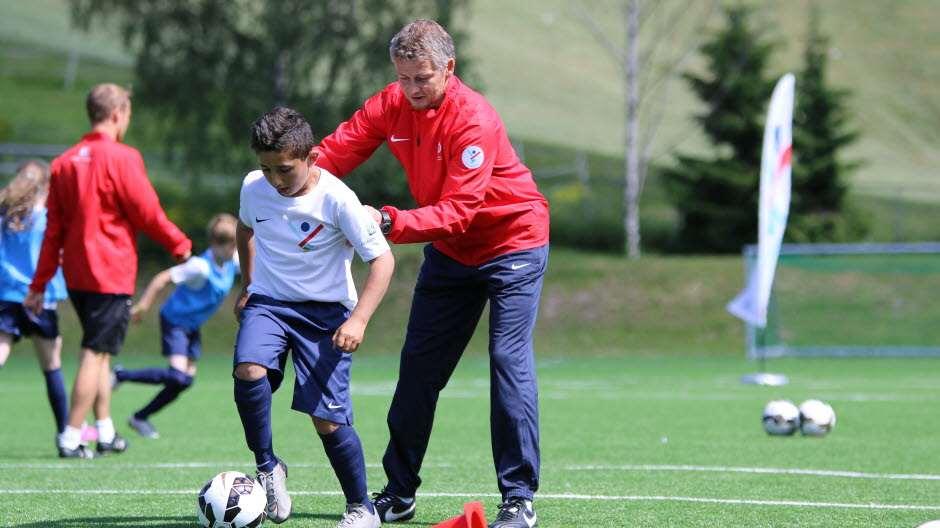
386	224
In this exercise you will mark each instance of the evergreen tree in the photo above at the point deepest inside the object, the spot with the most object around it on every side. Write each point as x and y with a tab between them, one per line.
716	196
819	211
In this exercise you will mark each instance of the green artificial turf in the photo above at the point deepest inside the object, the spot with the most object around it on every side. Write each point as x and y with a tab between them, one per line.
626	441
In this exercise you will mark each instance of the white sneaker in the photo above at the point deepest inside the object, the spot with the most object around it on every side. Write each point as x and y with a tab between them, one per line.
359	516
275	487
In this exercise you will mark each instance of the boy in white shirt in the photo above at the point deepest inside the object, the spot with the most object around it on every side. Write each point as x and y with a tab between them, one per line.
298	228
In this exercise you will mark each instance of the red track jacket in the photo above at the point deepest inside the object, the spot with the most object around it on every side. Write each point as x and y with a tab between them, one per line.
476	200
99	197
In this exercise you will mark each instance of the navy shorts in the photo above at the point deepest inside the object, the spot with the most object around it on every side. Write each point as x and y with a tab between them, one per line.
180	341
104	318
20	322
270	328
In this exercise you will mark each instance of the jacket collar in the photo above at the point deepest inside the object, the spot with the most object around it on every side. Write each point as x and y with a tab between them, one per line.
94	135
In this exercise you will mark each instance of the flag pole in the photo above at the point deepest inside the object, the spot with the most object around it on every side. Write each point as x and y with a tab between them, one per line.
751	305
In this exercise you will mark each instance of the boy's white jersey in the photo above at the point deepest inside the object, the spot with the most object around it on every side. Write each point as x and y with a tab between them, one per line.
304	245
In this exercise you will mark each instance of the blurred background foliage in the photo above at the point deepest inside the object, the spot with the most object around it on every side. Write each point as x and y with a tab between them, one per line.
202	70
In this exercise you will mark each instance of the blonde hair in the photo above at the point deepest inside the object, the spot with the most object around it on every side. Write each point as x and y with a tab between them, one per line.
21	195
423	40
221	229
104	99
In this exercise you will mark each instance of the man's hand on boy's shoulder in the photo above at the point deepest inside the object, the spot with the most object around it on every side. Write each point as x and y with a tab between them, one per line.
375	213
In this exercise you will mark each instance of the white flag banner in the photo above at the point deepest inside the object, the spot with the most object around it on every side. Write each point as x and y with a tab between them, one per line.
751	304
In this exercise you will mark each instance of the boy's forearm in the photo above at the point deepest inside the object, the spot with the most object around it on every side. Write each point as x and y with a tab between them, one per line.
153	289
380	275
244	244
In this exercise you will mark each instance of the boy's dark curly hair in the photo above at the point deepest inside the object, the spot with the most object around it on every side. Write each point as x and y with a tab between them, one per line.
282	129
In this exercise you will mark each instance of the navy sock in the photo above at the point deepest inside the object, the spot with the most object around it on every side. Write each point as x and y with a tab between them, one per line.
344	450
55	390
176	384
153	376
253	399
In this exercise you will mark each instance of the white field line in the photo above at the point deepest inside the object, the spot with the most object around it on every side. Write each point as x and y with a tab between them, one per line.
562	392
755	470
540	496
84	466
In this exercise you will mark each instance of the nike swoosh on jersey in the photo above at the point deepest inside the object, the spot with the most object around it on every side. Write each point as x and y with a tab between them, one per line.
395	139
259	220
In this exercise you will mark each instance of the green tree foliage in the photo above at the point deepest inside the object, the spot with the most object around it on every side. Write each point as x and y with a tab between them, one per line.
819	211
208	68
716	196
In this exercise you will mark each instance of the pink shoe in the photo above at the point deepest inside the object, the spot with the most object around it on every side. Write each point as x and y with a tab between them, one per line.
89	434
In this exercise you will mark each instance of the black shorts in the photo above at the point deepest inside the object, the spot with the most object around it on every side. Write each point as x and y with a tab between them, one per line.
17	321
104	318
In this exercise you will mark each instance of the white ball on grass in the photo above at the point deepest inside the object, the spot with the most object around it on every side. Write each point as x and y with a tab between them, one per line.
781	418
231	500
816	418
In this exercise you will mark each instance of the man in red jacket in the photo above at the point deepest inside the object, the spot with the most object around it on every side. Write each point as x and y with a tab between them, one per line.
99	198
487	225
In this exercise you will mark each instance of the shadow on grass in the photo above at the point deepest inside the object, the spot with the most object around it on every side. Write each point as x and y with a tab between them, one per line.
336	518
114	521
159	521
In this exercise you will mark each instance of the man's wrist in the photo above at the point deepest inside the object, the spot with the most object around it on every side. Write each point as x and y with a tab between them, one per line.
358	318
386	224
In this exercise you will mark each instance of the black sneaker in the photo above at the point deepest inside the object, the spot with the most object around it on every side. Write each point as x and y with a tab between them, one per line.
81	451
118	445
392	508
515	513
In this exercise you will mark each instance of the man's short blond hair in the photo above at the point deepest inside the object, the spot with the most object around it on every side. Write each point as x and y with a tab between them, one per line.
104	99
222	229
423	40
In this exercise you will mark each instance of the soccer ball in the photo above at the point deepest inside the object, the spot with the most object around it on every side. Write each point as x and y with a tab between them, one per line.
781	418
929	524
816	418
231	500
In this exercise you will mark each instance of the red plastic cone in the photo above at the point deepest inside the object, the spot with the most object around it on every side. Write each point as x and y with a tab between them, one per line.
473	517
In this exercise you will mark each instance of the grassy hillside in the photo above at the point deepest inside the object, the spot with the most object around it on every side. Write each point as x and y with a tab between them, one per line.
657	306
45	24
554	84
36	39
566	98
